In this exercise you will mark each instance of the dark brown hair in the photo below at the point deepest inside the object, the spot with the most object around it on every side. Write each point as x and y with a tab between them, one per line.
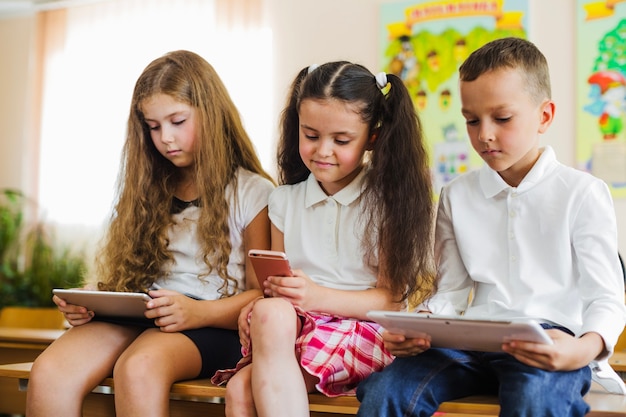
397	197
515	53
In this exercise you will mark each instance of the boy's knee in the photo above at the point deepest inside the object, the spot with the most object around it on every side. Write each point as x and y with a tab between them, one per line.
372	385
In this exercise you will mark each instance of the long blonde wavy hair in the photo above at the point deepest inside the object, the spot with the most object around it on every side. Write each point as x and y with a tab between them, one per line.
134	250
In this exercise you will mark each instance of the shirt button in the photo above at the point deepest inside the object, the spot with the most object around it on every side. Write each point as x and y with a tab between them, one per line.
511	214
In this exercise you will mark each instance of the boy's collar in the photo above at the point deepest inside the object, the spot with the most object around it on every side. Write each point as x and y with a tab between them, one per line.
492	183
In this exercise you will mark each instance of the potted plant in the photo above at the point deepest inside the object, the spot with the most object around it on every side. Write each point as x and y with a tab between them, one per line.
32	263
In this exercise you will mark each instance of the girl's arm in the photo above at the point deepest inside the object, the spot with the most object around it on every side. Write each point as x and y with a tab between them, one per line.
256	236
300	290
223	313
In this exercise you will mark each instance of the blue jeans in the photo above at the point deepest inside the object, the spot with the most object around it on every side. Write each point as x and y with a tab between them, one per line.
415	386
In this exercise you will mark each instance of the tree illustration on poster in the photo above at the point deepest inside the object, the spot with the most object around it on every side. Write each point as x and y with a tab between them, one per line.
424	43
601	81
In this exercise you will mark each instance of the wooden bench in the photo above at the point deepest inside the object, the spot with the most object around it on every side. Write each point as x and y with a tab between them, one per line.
20	346
201	398
24	333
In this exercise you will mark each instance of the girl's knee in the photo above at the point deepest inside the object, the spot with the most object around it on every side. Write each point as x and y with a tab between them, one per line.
50	367
270	318
272	306
239	393
44	369
135	367
238	383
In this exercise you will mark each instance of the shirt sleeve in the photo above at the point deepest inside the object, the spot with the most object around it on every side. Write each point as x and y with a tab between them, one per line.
277	207
600	275
454	283
253	195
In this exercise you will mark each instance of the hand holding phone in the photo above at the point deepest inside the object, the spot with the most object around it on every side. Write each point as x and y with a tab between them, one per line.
268	263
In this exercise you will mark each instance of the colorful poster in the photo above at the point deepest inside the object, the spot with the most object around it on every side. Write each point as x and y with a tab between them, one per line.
424	43
601	91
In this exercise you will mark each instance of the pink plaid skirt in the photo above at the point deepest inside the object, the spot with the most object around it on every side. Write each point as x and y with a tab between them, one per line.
341	352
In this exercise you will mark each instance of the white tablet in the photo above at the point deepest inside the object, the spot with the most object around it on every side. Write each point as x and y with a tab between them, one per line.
459	332
107	303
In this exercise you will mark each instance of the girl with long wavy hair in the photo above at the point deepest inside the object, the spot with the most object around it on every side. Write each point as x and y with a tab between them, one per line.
192	198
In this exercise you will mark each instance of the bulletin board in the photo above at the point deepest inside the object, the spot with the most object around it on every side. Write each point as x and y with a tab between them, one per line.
424	43
601	91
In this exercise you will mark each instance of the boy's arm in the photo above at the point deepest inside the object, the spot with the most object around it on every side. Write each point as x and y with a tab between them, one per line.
454	283
600	285
600	277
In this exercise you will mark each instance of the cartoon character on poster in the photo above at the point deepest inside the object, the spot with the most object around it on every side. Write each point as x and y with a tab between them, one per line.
451	157
424	43
601	51
608	101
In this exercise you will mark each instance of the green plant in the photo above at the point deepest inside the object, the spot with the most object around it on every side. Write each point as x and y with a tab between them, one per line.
32	262
11	202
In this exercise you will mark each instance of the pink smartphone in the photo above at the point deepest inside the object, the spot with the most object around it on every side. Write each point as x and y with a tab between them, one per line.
269	263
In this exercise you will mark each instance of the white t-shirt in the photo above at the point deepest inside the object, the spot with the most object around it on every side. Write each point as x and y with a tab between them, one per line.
546	249
252	194
323	233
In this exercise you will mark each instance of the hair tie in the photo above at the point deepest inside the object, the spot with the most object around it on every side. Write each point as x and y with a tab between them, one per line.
312	68
381	80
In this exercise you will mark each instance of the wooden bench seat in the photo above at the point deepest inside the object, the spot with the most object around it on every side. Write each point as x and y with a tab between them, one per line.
20	346
201	398
29	339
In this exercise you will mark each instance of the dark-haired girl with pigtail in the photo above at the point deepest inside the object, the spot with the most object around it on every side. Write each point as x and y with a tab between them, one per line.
354	215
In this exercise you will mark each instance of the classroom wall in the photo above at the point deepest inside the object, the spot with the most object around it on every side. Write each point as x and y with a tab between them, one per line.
324	30
305	32
16	40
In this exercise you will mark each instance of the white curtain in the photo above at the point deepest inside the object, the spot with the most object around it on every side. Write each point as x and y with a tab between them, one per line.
92	58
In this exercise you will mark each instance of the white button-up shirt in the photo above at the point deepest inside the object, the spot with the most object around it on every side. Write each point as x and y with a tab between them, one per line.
546	249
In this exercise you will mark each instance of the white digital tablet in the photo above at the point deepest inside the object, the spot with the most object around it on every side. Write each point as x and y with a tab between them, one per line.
107	303
459	332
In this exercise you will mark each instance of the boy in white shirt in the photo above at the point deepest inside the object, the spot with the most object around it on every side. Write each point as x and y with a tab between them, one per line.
533	239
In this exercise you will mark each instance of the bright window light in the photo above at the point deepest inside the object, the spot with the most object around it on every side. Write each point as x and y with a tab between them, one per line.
88	86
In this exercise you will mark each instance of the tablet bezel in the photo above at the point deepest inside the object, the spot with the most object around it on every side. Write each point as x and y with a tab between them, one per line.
107	303
459	332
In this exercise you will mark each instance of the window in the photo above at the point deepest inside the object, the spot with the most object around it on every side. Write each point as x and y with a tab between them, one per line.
89	75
